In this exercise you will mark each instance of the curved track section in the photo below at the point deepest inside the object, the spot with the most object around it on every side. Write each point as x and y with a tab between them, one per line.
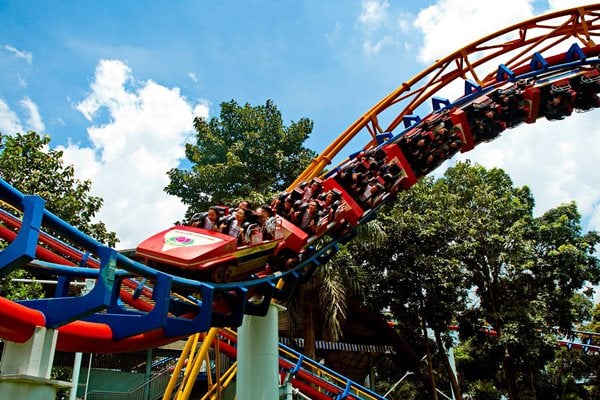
517	49
130	306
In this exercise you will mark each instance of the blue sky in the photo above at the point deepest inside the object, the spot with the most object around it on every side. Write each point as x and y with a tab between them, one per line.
117	84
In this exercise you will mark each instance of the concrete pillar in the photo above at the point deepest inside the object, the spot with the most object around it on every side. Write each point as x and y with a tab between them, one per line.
258	357
75	378
25	368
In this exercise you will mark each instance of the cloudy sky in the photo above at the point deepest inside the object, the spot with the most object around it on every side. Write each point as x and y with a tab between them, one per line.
117	84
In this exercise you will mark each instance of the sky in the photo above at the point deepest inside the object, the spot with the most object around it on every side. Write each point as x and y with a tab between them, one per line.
117	84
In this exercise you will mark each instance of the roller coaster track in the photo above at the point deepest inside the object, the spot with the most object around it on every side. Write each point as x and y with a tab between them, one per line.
132	306
516	48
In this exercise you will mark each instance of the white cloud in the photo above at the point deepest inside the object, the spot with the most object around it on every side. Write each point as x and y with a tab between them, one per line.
108	89
373	20
130	155
193	77
22	82
25	55
333	35
556	5
374	13
34	122
449	25
373	48
404	22
9	120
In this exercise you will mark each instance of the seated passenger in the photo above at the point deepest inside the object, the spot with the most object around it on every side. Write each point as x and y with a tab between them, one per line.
208	220
486	125
452	146
326	199
287	209
586	100
308	218
245	204
235	227
311	191
587	93
377	191
267	221
558	105
511	104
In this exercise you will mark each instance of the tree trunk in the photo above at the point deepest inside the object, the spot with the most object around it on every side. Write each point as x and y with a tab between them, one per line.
434	394
309	327
449	370
509	376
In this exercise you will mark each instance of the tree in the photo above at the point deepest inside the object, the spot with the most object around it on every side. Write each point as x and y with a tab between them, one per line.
28	164
526	270
472	230
246	153
333	284
416	273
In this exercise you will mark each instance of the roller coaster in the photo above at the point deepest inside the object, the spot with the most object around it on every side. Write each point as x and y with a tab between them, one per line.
186	279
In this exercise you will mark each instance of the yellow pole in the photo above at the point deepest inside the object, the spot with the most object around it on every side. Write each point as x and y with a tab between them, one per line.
186	375
226	379
178	366
208	375
212	333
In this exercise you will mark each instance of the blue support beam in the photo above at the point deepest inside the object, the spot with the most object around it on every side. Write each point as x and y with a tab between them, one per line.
61	311
346	392
125	323
439	102
575	53
290	281
410	120
383	137
260	304
504	73
471	87
22	250
538	62
201	322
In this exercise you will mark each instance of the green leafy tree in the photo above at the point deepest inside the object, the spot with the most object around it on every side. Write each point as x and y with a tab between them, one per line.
28	164
526	270
418	275
334	284
472	230
246	153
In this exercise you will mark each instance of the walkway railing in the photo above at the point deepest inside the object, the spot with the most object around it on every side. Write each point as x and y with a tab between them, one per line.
151	389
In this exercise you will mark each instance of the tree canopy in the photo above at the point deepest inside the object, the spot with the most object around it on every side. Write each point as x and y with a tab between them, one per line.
30	165
467	248
245	153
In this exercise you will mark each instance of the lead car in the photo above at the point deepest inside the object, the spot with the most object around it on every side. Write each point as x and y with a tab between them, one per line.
213	256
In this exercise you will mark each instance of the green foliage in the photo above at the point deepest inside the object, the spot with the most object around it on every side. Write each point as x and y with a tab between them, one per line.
483	390
246	153
13	289
467	248
28	164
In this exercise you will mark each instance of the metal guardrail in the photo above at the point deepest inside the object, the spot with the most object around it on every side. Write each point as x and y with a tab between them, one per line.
346	386
300	368
151	389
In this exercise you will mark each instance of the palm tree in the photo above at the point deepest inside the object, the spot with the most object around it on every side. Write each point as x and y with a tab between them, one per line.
327	292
